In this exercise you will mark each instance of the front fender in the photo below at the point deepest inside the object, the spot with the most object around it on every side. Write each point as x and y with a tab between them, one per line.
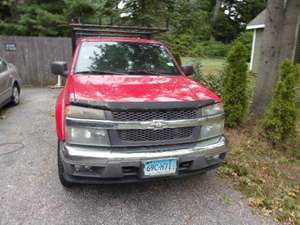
60	116
15	75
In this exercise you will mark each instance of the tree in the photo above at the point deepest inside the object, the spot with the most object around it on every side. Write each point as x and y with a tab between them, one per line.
189	25
280	35
191	21
231	18
78	10
216	10
225	29
50	18
148	13
280	120
35	18
215	14
243	11
235	85
108	12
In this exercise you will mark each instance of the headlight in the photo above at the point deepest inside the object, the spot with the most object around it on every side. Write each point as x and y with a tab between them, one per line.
213	128
87	136
84	113
213	109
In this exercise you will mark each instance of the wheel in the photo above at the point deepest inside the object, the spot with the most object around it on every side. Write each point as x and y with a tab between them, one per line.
15	97
62	179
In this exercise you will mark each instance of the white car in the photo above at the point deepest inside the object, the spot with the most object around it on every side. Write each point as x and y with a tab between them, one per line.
9	84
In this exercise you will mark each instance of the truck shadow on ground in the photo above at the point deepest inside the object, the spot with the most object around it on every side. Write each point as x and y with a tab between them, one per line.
158	200
163	186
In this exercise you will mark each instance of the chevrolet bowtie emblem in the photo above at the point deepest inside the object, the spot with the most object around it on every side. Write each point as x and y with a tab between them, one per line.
158	124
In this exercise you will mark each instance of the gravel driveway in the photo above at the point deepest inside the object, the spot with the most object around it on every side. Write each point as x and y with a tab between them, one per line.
30	192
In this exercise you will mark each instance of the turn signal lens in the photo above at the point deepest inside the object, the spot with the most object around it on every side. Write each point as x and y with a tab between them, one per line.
84	113
213	109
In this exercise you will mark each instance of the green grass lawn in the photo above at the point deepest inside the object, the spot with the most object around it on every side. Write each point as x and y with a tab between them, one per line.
210	65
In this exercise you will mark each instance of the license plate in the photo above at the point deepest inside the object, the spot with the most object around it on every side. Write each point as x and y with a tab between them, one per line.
160	167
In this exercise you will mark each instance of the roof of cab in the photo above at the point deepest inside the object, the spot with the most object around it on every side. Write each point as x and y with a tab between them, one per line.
127	39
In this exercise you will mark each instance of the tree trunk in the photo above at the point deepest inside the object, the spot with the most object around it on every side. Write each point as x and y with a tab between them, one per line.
290	30
143	9
216	10
278	43
215	14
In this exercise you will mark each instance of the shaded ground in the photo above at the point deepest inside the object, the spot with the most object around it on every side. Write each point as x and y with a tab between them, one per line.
30	192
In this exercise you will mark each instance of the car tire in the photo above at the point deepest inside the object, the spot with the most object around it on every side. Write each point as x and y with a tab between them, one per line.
15	97
63	181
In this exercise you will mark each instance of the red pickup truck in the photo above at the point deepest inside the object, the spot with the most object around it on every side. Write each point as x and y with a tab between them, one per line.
129	112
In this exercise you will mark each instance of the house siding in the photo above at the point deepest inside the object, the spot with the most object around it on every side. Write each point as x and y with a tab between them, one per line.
297	51
257	50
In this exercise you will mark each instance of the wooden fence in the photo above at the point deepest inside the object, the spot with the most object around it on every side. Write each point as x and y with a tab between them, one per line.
32	56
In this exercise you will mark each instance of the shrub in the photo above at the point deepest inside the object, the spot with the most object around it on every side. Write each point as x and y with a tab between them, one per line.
180	45
198	76
235	85
215	82
279	122
11	29
246	39
212	81
210	49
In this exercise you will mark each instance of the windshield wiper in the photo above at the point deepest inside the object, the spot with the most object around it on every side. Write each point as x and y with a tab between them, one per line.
99	72
143	72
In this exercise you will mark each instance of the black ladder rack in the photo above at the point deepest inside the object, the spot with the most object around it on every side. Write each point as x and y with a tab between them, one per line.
92	30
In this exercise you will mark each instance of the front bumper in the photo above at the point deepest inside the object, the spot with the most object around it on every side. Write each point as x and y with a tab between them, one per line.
107	165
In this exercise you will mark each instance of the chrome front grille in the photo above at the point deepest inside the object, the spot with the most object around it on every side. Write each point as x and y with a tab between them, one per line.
167	134
149	128
163	135
157	115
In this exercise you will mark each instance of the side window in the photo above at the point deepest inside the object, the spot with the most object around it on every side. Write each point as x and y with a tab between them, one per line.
3	66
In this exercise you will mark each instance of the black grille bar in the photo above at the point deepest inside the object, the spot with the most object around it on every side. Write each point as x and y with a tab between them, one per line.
156	135
157	115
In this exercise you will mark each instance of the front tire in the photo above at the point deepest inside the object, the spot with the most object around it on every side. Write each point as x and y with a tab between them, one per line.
63	181
15	97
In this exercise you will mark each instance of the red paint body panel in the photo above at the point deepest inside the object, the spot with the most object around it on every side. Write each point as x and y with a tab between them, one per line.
126	88
122	88
59	115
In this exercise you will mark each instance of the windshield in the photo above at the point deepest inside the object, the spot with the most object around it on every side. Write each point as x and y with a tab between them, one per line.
124	58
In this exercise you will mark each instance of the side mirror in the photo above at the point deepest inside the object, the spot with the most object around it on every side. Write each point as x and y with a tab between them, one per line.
188	70
59	68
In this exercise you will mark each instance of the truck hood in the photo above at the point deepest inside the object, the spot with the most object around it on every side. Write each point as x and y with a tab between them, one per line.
129	88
